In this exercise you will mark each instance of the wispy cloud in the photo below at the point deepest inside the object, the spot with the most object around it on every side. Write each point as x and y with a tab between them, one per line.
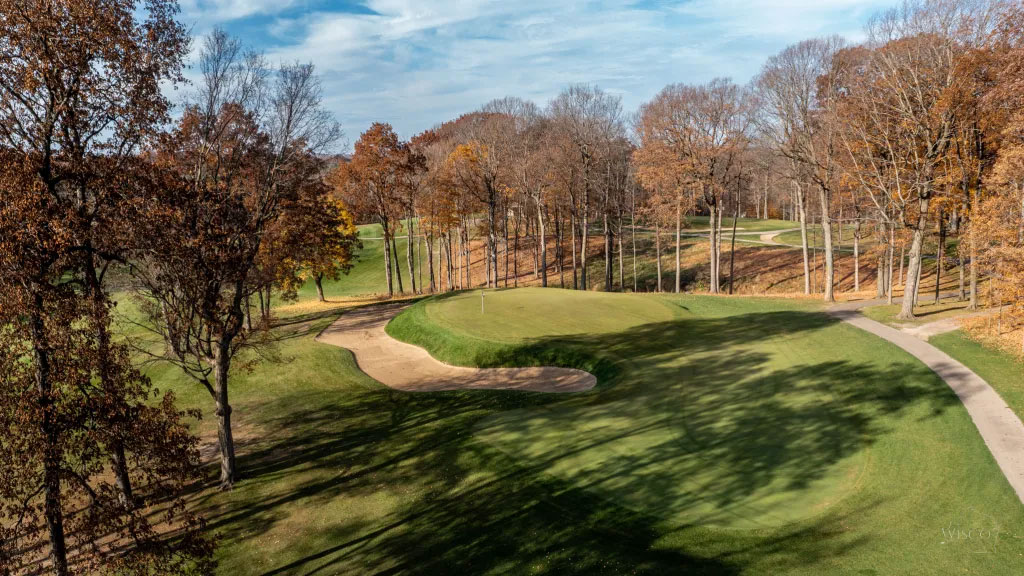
418	62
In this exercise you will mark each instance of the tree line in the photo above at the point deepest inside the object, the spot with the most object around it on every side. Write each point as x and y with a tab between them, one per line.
908	138
198	217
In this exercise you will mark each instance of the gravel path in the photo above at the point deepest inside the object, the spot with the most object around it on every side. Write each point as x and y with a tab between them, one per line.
769	237
1001	429
406	367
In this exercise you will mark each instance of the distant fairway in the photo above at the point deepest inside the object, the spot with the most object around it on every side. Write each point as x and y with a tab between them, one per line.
367	274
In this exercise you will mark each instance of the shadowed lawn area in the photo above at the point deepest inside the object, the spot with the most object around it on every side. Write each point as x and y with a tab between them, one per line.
737	420
725	436
1001	370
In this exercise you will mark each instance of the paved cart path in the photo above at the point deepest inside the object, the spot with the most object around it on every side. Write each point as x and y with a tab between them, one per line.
999	426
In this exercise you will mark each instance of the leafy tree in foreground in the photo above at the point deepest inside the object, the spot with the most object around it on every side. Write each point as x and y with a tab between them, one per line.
235	173
88	455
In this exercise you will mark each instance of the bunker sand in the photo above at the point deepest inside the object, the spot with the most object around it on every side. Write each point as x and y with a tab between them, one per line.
406	367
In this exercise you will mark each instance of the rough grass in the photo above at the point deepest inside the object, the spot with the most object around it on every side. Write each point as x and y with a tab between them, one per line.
1003	371
726	436
926	311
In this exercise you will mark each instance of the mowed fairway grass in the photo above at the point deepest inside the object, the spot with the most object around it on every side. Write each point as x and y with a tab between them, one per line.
725	436
740	435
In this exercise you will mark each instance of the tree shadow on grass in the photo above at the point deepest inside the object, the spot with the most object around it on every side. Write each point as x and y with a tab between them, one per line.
689	425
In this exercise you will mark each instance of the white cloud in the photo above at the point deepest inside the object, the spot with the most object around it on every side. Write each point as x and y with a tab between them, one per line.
418	62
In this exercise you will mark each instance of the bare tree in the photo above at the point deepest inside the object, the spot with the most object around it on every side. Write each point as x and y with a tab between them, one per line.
590	117
796	89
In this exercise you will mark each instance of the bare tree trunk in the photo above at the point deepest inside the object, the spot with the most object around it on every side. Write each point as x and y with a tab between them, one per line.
515	248
543	245
917	293
492	240
679	230
622	272
559	251
222	364
457	254
962	295
318	279
974	255
584	236
839	247
398	267
489	277
409	256
572	233
891	249
52	509
449	265
940	253
732	248
248	312
826	232
856	255
657	251
802	214
504	229
711	249
914	269
430	260
903	260
880	288
718	250
814	259
632	227
766	173
609	272
536	251
1020	223
387	259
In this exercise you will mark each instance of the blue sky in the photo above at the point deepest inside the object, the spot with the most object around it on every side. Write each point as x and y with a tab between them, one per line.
415	63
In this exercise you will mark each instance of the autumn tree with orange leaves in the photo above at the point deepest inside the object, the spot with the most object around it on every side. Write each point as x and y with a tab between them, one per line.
237	175
693	136
372	182
94	457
